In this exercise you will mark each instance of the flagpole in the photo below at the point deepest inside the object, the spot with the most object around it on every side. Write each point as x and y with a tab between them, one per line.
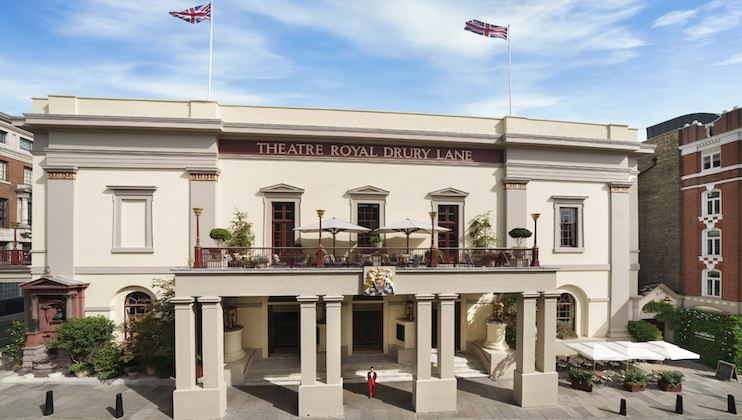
211	45
510	77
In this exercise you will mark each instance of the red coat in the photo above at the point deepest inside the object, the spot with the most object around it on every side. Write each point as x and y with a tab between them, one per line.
371	378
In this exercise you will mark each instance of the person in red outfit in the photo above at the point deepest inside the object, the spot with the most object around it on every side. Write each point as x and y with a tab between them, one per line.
371	382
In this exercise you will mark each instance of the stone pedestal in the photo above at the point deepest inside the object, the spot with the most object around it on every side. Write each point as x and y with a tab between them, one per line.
496	336
233	345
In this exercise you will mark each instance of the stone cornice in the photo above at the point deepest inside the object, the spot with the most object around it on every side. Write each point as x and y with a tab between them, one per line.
577	142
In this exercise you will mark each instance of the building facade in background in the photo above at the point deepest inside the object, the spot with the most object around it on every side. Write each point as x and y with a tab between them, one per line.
120	179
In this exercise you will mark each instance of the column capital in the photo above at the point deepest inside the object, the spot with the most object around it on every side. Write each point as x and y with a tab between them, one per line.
332	298
181	301
448	296
70	296
204	174
620	187
424	297
307	299
551	295
529	295
57	172
209	300
515	183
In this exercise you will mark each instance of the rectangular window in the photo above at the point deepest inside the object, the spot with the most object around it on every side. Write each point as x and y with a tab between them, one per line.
713	283
448	217
3	170
713	203
711	160
27	175
368	216
10	290
568	226
713	242
2	136
3	212
26	144
132	219
283	224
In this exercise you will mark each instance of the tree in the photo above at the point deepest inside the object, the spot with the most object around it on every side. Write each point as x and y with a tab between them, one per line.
154	332
520	234
242	235
481	232
220	235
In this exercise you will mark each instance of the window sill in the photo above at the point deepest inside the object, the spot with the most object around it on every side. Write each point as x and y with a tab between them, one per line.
572	250
146	250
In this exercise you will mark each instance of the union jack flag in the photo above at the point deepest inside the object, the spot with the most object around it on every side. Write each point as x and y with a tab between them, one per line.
195	15
485	29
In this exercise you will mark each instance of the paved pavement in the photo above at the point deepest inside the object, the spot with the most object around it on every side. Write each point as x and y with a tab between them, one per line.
704	398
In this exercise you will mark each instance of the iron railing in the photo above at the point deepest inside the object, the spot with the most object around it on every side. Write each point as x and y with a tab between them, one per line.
15	257
296	257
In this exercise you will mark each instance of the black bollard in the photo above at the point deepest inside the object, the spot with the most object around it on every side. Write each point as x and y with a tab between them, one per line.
679	404
119	406
49	408
731	406
623	407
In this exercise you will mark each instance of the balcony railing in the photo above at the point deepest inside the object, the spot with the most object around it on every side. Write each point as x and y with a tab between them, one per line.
359	257
15	257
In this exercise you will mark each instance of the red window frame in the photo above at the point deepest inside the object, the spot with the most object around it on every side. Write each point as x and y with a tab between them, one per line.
368	216
448	217
282	224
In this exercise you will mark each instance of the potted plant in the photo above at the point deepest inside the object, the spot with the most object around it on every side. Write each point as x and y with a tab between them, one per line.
581	379
520	235
220	235
670	380
377	241
81	370
635	380
133	372
481	232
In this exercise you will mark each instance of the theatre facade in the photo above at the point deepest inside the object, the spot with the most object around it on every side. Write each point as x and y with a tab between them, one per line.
116	182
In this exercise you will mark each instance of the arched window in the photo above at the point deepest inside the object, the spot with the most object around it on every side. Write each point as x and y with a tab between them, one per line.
135	306
566	310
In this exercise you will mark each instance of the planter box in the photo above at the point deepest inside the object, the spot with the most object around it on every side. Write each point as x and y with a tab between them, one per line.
584	387
666	387
633	388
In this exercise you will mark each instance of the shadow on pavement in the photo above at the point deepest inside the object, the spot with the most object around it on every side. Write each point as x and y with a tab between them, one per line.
384	393
161	396
282	398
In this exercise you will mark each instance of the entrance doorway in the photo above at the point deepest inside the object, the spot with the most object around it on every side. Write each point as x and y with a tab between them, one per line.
368	327
456	326
283	329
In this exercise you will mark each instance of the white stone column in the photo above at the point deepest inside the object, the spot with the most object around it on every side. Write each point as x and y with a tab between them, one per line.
214	395
308	337
185	358
525	347
546	334
424	338
516	206
332	347
620	260
60	220
446	335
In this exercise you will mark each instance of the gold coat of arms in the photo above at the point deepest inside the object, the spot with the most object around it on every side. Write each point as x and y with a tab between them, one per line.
379	282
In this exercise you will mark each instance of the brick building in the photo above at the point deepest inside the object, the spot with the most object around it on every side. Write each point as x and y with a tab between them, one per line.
690	210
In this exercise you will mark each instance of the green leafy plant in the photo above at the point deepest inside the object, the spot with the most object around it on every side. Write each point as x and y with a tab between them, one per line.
154	332
672	378
520	235
377	238
564	330
242	234
635	377
581	376
76	367
481	232
107	361
82	337
220	235
18	337
164	366
644	331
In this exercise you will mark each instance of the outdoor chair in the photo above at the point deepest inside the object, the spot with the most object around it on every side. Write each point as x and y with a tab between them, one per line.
341	260
277	261
304	261
388	261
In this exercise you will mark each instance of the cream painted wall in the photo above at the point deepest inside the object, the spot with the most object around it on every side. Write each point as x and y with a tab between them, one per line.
94	217
476	315
592	317
596	218
326	184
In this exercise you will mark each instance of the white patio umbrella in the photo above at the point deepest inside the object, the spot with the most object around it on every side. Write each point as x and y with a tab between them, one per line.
671	351
634	351
408	227
597	351
333	226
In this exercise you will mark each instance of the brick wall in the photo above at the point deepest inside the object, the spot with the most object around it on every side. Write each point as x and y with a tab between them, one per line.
7	191
660	237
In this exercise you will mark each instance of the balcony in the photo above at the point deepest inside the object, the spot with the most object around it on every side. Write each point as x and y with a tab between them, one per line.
15	257
344	258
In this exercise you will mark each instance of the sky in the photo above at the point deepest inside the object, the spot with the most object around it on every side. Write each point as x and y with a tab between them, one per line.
635	62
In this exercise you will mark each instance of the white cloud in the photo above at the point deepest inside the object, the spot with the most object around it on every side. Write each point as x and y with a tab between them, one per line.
677	17
733	60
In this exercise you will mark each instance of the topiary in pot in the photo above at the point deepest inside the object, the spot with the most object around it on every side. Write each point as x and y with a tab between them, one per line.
670	380
581	379
220	235
520	235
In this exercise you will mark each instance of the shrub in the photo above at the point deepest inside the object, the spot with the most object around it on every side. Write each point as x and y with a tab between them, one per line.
83	336
644	331
220	235
565	331
481	232
107	361
75	367
520	234
635	377
164	367
242	234
377	238
17	340
581	376
154	332
672	378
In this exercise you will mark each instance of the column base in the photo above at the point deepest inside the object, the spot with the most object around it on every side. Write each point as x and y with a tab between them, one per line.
200	403
434	395
535	389
321	400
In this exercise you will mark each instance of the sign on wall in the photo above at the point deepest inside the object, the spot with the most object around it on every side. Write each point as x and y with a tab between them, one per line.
359	151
